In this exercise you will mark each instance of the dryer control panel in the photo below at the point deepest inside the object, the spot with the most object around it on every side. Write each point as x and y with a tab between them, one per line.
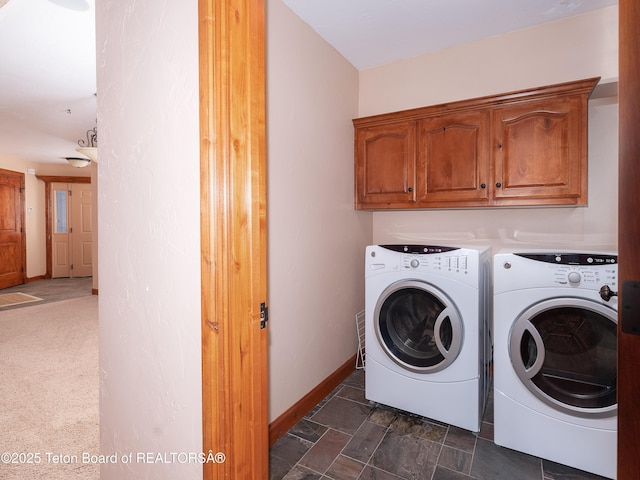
565	269
572	258
579	268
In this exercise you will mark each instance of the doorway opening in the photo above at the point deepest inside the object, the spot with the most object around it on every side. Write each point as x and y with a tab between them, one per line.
71	230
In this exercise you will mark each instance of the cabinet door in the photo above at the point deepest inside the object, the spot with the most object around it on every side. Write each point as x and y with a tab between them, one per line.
540	152
453	159
385	166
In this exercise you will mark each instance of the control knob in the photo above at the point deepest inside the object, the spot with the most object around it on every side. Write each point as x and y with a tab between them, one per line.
606	293
574	278
415	263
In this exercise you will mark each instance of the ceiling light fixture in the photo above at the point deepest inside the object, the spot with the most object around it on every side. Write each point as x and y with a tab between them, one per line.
88	147
78	161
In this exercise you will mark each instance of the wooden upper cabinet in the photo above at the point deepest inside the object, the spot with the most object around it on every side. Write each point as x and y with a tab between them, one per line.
540	153
453	158
521	148
385	174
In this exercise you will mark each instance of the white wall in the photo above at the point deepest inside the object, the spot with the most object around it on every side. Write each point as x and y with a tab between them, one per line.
579	47
583	46
316	239
149	230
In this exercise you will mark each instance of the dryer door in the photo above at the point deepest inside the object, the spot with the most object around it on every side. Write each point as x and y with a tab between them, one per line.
418	326
564	351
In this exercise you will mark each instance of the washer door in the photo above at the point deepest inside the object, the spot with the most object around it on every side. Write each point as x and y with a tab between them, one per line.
564	351
418	326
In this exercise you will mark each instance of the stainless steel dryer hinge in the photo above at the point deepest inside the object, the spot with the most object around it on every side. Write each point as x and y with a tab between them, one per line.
264	315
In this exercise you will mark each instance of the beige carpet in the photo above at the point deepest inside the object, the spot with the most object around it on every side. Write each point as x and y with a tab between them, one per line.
10	299
49	390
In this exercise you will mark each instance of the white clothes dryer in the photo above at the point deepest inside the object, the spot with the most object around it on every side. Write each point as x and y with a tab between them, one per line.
427	342
555	341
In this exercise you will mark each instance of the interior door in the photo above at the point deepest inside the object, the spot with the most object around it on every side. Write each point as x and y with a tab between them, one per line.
71	238
628	234
12	246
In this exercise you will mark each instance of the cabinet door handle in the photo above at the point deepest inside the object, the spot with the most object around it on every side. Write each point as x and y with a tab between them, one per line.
410	189
498	185
483	185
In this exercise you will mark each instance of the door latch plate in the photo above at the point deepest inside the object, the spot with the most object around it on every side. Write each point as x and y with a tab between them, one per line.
630	314
264	315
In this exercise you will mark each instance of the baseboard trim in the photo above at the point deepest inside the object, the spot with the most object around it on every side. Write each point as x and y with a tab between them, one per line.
33	279
289	418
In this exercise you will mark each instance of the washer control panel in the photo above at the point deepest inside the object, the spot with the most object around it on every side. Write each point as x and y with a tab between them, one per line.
419	249
434	258
451	262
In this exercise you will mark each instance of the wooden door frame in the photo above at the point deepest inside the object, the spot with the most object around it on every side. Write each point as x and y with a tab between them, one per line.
628	232
233	236
23	240
48	211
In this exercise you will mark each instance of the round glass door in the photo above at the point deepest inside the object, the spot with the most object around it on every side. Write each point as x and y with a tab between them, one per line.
418	326
564	351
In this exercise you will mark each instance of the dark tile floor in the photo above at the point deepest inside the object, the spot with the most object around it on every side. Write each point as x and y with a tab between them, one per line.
346	437
51	290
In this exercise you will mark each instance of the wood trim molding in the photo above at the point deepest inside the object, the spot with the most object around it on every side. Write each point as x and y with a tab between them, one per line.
232	57
289	418
33	279
579	87
63	179
48	211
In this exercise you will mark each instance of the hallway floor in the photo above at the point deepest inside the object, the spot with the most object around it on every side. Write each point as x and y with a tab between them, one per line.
51	290
346	437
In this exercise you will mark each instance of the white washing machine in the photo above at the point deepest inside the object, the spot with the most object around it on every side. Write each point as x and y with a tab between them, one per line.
555	335
426	330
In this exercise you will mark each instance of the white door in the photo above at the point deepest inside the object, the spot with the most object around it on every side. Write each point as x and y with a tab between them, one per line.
71	243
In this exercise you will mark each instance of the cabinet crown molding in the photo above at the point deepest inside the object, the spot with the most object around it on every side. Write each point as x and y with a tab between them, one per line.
579	87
